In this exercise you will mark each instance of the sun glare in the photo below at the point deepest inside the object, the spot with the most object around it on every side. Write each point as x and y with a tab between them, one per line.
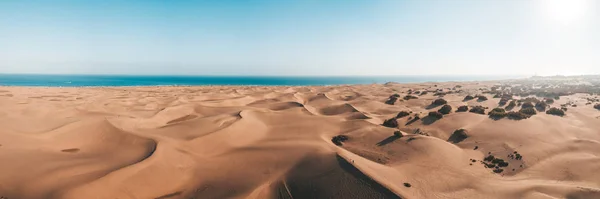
565	11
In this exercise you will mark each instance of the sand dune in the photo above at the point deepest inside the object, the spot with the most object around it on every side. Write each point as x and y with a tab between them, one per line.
276	142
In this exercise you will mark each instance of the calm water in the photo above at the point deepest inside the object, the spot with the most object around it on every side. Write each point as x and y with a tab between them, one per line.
123	80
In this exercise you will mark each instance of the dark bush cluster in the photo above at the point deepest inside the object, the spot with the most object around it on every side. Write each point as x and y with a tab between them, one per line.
597	106
392	123
446	109
408	97
555	111
541	105
402	114
549	100
468	97
458	136
528	111
511	104
478	110
392	99
462	109
338	139
398	134
436	115
527	105
439	102
515	115
482	98
497	113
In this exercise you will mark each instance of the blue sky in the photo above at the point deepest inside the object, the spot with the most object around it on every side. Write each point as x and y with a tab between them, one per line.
308	37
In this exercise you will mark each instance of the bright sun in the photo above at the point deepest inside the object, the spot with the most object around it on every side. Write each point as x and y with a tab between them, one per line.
566	11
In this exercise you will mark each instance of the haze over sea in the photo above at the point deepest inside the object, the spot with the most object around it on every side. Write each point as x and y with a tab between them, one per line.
133	80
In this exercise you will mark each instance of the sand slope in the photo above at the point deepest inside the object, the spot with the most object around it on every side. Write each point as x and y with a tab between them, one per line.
275	142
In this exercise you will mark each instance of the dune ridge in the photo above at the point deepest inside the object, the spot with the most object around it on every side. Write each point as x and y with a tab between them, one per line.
277	142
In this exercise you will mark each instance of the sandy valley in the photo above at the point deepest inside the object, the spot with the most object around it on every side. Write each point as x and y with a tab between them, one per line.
351	141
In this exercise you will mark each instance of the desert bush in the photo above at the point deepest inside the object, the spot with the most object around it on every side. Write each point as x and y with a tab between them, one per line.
445	109
439	102
549	100
338	139
436	115
528	111
478	110
408	97
597	106
398	134
541	105
555	111
392	123
527	105
462	109
396	95
402	114
391	101
482	98
517	115
468	97
497	113
458	136
511	104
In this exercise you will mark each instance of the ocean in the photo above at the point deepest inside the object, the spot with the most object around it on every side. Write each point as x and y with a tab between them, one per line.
131	80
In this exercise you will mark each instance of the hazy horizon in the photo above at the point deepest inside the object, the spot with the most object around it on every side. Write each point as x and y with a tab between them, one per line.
302	38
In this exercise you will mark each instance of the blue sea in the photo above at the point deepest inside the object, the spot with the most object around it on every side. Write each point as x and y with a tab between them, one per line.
131	80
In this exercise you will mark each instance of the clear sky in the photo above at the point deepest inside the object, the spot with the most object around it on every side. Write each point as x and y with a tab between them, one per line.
303	37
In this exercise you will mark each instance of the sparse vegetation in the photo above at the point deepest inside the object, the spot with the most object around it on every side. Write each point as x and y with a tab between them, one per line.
439	102
541	105
462	109
468	97
478	110
527	105
458	136
446	109
398	134
515	115
511	104
528	111
497	113
409	97
549	100
338	139
597	106
555	111
482	98
402	114
436	115
392	123
392	99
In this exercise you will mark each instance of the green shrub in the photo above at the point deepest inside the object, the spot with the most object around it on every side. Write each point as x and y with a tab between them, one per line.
445	109
392	123
436	115
408	97
402	114
517	115
478	110
439	102
528	111
462	109
497	113
555	111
